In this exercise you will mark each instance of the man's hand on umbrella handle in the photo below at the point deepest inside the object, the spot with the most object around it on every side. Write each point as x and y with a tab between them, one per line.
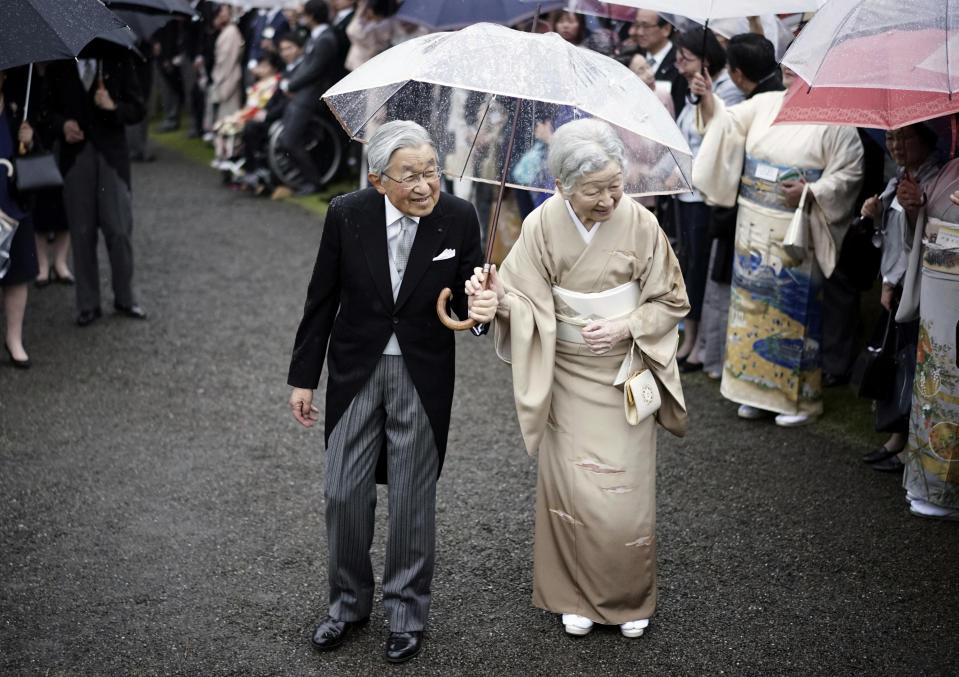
103	100
301	402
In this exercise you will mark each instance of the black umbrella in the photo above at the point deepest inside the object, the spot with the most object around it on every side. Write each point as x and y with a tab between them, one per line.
144	25
153	6
116	42
46	30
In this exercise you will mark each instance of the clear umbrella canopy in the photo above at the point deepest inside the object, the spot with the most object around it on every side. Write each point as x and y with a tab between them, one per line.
888	44
707	9
465	88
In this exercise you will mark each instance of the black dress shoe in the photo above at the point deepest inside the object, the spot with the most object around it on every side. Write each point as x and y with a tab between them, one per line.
88	316
891	464
402	646
880	453
688	367
306	190
19	364
833	380
330	633
134	311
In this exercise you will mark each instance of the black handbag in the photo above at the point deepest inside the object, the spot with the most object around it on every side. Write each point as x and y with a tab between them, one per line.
37	171
874	373
859	258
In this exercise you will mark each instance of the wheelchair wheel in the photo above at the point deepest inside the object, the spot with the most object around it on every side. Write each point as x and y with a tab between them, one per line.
325	147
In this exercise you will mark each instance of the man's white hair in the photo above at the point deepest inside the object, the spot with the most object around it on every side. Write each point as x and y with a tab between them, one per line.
389	138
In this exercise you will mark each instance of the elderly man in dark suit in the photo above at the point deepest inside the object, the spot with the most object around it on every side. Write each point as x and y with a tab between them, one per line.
654	35
386	254
91	102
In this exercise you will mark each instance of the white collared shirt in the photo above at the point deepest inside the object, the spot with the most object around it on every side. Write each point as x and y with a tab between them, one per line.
394	218
656	60
586	234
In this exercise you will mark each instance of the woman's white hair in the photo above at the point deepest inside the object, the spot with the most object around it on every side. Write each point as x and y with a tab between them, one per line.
389	138
582	147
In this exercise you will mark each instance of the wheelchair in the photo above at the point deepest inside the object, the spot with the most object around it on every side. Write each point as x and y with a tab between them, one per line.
326	146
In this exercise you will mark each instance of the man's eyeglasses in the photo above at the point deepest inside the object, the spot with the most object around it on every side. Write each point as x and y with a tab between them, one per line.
412	180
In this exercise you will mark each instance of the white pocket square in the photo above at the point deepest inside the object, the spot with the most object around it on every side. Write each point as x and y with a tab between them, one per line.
445	254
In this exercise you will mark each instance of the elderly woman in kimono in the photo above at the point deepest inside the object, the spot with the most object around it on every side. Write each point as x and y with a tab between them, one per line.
590	293
773	359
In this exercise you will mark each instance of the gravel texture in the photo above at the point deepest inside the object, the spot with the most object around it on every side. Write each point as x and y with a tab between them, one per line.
161	512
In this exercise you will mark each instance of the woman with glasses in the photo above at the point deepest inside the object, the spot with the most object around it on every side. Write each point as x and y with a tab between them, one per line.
914	150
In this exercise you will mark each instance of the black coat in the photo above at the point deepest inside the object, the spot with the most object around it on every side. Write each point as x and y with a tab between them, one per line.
106	130
350	313
321	67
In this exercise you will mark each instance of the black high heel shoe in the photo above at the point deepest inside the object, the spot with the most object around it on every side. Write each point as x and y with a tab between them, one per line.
19	364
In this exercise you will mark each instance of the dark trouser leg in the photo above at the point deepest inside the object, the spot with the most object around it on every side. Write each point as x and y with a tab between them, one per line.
841	324
80	201
294	139
694	221
116	221
255	136
413	462
350	493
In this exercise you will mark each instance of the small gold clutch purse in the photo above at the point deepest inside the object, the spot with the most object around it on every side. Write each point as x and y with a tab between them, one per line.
642	396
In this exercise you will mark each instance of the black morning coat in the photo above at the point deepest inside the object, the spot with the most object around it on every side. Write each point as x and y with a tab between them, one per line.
106	130
349	305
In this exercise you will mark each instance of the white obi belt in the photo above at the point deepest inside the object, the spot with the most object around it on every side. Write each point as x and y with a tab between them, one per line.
574	309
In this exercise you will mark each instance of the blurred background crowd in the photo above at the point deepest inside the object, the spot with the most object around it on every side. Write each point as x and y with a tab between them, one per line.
247	78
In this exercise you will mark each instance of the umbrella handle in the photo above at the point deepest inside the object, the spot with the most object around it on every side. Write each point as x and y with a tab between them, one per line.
444	316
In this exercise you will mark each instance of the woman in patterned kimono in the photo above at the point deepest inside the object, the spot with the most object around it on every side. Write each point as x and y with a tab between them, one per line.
773	359
931	476
595	547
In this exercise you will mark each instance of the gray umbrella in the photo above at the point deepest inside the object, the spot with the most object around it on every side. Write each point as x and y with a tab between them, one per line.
46	30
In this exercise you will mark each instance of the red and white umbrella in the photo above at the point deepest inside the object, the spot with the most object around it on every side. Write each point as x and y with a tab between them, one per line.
875	63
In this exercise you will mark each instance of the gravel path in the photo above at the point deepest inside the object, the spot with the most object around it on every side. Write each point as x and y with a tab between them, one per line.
161	513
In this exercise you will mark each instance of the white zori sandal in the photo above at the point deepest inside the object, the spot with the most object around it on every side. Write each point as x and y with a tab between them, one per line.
633	628
577	625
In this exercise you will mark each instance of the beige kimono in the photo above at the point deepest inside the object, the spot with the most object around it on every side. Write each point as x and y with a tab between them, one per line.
595	549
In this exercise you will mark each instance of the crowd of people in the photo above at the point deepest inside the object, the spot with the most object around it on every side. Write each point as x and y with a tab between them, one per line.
775	325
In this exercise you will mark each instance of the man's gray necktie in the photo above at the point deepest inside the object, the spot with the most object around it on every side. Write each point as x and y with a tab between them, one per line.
404	245
89	73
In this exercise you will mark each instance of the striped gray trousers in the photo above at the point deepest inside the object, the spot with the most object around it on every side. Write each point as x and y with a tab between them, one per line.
387	407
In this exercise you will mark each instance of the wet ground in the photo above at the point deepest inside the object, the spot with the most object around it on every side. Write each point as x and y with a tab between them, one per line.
161	512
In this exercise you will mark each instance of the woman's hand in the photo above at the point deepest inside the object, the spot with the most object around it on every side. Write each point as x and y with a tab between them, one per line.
25	135
792	191
955	197
702	86
871	208
301	402
886	296
478	283
910	197
601	335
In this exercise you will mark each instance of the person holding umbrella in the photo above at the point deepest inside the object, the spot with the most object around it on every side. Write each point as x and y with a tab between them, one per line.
590	294
773	359
386	253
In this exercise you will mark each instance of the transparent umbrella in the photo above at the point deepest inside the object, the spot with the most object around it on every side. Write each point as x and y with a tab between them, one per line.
490	96
875	63
464	88
703	9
